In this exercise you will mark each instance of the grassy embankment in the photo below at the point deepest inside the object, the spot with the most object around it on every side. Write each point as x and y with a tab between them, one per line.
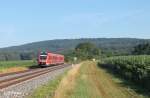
13	66
86	81
48	90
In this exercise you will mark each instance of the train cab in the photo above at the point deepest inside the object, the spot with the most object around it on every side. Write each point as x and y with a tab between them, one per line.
42	59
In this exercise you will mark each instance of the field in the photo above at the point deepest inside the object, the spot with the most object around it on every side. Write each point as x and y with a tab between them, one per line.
9	66
133	68
87	80
93	80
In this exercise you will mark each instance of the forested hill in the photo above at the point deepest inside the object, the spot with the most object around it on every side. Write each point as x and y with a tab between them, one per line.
115	45
104	43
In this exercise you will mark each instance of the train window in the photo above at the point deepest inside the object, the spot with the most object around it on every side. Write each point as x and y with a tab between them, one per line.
50	57
53	57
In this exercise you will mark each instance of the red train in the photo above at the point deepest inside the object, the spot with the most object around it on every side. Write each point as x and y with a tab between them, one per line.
47	59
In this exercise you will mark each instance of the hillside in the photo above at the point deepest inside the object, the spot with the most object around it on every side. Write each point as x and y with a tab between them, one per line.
104	43
115	45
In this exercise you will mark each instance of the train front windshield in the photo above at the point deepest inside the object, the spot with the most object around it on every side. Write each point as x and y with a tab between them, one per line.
43	57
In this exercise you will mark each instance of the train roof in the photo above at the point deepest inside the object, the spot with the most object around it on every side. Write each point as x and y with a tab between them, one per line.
48	53
55	54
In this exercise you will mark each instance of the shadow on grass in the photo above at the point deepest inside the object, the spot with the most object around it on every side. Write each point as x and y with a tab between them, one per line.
125	83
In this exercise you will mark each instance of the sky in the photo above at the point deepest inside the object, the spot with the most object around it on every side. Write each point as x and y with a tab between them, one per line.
25	21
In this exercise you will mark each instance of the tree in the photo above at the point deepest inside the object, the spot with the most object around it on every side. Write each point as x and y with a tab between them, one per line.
27	55
86	51
142	49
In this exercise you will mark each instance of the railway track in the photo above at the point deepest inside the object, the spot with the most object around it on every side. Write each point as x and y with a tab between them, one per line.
4	83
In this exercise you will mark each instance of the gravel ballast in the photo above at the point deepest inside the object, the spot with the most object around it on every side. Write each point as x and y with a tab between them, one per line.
21	90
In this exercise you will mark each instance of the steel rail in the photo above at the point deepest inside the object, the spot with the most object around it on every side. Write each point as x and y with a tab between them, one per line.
18	79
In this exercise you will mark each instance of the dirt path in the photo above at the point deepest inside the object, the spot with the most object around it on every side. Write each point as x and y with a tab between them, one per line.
87	80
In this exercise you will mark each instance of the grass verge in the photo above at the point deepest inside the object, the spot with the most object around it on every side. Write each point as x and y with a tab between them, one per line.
48	90
12	66
66	86
86	86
